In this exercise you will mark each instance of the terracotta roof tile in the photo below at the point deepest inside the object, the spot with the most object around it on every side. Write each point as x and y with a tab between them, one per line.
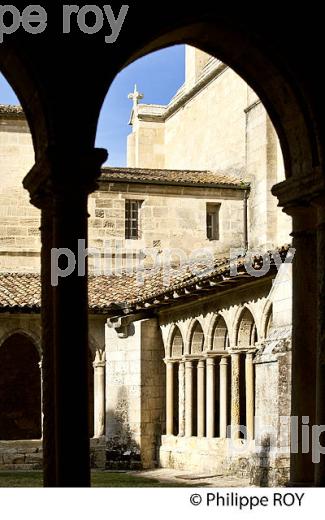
21	292
173	177
12	111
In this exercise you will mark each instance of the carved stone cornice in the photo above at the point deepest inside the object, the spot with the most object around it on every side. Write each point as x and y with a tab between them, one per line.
121	324
62	173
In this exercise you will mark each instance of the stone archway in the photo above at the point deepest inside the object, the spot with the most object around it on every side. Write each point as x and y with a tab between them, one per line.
271	62
20	389
220	335
247	332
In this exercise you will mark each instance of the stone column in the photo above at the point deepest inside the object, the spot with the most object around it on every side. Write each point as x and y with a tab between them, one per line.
181	399
99	394
210	398
249	382
169	398
235	397
304	338
223	396
200	398
188	398
294	196
41	377
319	476
59	185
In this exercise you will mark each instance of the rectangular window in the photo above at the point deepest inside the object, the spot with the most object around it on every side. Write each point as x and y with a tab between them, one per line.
132	219
213	221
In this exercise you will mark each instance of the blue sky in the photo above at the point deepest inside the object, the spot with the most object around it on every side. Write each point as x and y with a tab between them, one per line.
158	76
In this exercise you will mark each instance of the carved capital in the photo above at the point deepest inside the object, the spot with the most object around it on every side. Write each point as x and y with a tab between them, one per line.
299	191
100	359
63	173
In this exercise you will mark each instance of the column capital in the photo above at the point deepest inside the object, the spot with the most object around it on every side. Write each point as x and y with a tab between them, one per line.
211	354
170	361
100	359
299	191
235	350
62	172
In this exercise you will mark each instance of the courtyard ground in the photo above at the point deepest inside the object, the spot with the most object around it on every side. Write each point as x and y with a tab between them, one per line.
154	478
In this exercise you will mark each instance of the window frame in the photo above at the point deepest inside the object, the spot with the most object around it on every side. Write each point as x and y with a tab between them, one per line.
132	227
213	227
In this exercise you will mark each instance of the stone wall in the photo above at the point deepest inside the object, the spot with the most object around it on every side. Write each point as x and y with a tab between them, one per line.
28	455
19	220
208	131
273	383
146	146
205	456
203	127
28	324
269	227
216	122
135	395
21	455
171	217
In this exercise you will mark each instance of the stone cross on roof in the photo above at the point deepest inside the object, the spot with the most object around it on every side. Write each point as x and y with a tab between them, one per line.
135	96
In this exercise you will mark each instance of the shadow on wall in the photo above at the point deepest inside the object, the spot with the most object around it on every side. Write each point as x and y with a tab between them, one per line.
262	469
122	452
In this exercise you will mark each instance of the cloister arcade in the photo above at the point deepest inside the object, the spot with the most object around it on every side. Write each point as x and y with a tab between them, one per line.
210	374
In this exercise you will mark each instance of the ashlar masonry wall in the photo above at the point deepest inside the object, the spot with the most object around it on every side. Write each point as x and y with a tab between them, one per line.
135	394
172	221
19	220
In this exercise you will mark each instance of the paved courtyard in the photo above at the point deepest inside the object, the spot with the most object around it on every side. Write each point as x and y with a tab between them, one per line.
174	476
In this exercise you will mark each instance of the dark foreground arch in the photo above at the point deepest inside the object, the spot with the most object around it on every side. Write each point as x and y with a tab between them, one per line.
62	81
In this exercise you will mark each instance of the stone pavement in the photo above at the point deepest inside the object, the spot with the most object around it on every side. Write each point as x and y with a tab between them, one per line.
175	476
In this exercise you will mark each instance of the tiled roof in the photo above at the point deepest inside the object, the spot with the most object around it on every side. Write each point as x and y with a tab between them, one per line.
147	289
12	111
172	177
21	292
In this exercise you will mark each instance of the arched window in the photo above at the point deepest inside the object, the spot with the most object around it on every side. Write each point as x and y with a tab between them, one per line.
197	339
247	332
220	338
268	322
177	347
20	389
247	337
176	352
